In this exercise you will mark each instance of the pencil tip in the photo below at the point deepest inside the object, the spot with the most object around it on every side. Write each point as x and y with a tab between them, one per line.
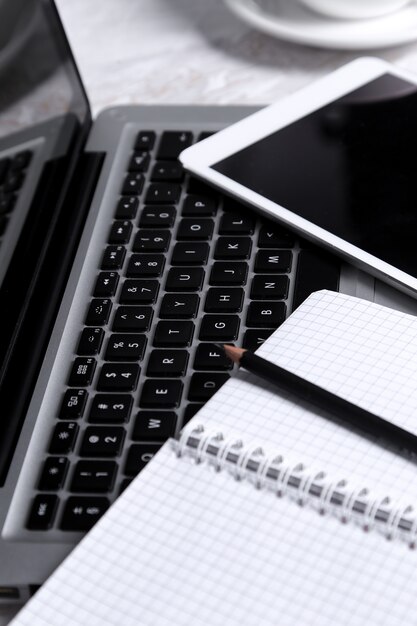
233	353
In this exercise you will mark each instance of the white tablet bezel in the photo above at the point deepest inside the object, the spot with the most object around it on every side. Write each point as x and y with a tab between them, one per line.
199	158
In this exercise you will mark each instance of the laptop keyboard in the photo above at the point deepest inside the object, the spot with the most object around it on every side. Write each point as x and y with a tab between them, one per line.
183	267
12	175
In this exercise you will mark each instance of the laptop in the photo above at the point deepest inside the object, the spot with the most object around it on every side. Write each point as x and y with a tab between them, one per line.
118	271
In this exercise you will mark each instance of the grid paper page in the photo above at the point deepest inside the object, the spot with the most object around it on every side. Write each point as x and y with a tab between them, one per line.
364	352
186	546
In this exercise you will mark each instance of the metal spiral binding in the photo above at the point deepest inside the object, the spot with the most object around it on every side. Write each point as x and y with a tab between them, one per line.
297	483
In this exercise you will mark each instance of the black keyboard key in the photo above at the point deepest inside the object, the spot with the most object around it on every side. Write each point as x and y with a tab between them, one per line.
195	229
73	404
167	363
42	512
185	279
233	248
113	258
102	441
157	217
154	425
190	253
199	206
139	291
132	318
315	270
236	224
106	284
63	438
118	377
219	328
273	261
146	265
145	140
182	305
223	273
167	171
138	456
110	408
269	314
206	134
151	241
81	513
224	300
93	476
190	411
53	473
173	334
160	394
98	312
273	236
133	184
139	161
163	192
269	287
90	341
120	232
255	338
197	187
124	485
82	372
173	143
127	207
209	357
125	347
203	386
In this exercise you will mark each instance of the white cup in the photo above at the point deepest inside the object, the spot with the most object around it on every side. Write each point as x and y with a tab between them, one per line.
354	9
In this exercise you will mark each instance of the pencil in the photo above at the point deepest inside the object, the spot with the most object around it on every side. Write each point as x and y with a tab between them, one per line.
346	412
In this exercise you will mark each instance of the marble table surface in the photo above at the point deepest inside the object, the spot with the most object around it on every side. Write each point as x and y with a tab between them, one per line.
189	51
194	51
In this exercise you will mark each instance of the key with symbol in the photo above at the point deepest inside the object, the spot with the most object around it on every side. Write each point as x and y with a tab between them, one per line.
138	456
125	347
118	377
111	408
134	318
90	341
94	476
82	512
102	441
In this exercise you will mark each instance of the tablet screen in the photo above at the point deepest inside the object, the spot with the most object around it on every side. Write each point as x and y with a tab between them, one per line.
349	167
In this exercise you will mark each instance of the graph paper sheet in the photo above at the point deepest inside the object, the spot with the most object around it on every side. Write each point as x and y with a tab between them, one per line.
186	545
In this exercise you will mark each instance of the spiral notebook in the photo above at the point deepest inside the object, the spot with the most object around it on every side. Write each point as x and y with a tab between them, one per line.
265	511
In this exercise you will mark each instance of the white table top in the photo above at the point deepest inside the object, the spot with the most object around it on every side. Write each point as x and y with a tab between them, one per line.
188	51
194	51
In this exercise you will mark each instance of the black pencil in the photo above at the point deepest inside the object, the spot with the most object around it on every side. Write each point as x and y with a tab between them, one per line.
346	412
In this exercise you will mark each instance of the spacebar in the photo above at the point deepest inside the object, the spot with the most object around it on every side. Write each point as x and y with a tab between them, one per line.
315	270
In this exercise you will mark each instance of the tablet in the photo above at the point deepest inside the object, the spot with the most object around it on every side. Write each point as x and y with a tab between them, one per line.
336	162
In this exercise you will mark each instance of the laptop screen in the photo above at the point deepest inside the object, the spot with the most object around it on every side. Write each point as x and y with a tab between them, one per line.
38	77
44	114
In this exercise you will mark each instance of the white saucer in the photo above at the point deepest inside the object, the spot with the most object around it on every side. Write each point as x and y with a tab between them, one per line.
287	19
